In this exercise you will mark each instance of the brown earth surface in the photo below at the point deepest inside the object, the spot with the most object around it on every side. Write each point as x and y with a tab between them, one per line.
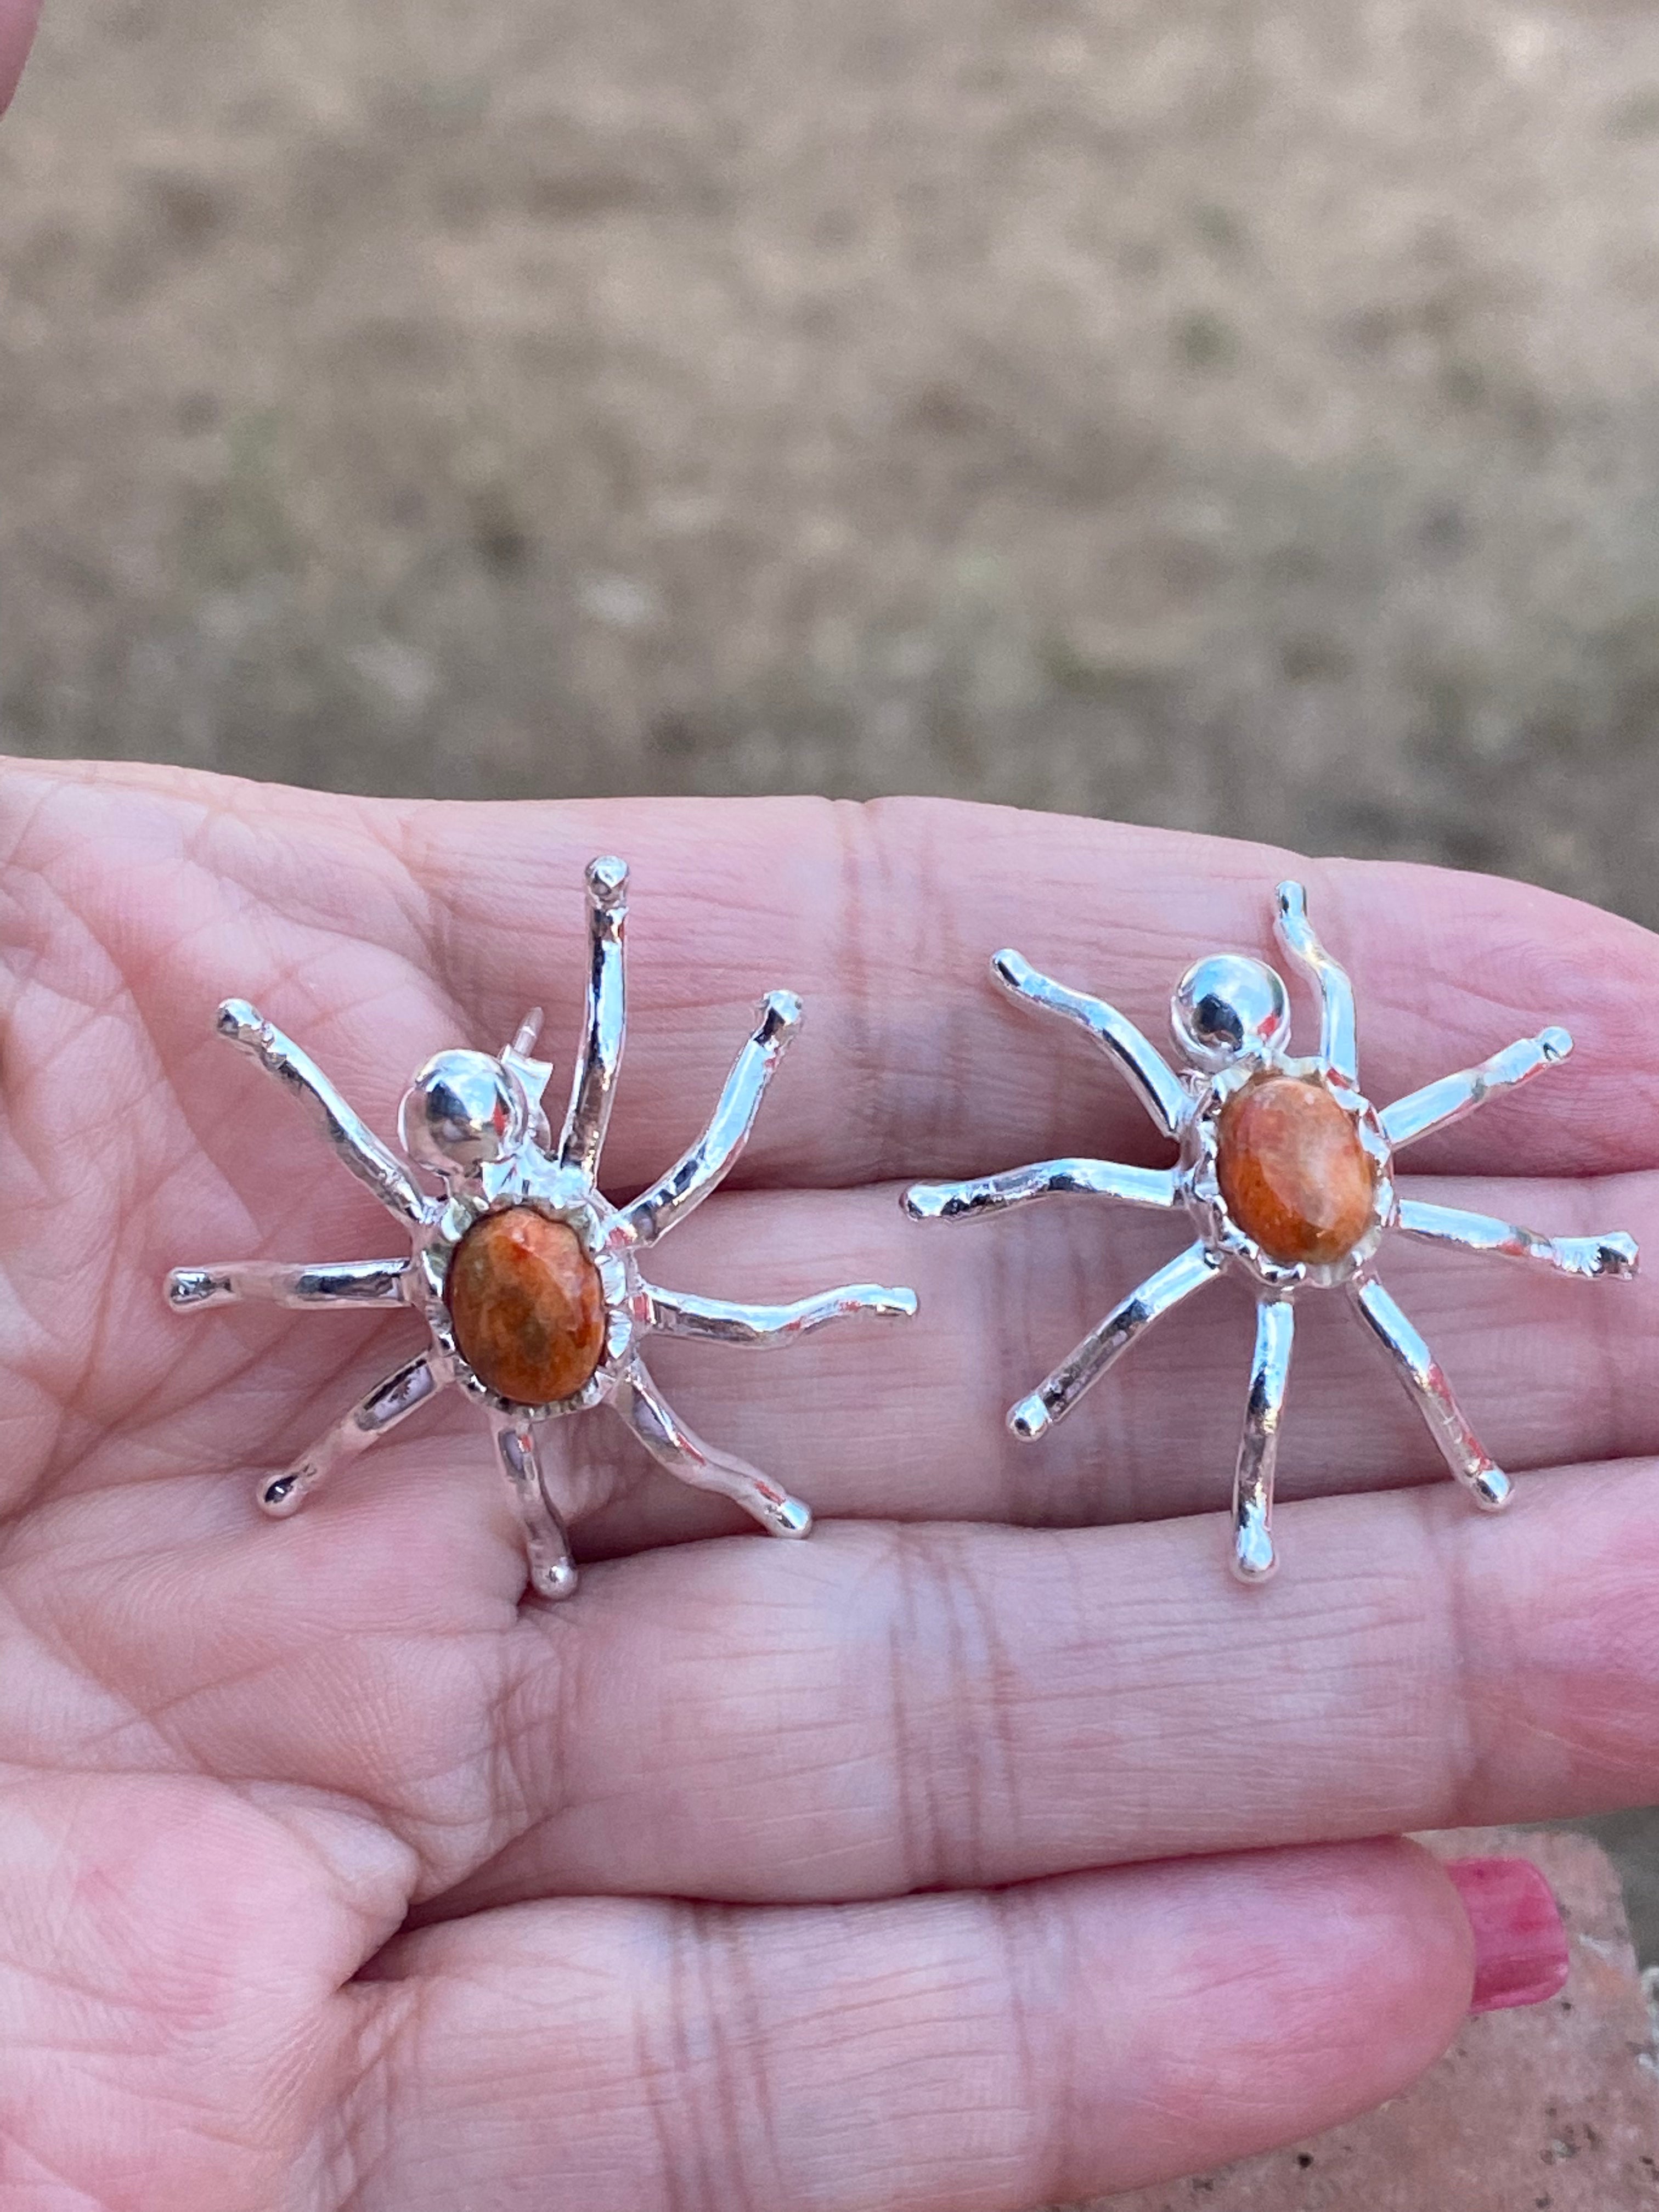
1211	412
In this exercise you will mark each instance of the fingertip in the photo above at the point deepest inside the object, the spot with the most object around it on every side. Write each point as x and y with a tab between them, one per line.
1279	1993
18	19
1398	1962
1355	1980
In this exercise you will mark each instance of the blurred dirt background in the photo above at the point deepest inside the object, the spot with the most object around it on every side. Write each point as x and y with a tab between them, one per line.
1239	414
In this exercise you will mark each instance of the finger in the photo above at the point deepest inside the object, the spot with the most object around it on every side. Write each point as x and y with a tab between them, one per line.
17	22
378	932
996	2050
909	1421
913	1062
904	1708
906	1418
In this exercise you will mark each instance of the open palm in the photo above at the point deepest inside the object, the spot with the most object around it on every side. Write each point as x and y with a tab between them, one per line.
937	1863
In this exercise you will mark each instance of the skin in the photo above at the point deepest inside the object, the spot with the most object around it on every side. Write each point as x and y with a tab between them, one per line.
336	1876
17	22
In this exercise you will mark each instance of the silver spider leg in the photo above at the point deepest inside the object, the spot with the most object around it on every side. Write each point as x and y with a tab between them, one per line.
1253	1557
351	1139
584	1124
281	1283
1242	1184
552	1570
679	1313
955	1202
704	1168
1421	1374
1149	1075
1437	1105
412	1386
1053	1400
544	1313
1615	1253
689	1460
1338	1040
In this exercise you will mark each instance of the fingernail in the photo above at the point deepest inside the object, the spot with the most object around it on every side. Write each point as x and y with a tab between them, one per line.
1520	1943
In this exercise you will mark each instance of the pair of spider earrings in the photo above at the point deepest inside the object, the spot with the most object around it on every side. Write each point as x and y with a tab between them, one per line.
529	1282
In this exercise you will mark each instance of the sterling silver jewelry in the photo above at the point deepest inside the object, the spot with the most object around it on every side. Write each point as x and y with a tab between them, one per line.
526	1277
1287	1172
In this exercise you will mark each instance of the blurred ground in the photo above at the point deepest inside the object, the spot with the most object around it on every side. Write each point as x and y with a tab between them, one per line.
1231	413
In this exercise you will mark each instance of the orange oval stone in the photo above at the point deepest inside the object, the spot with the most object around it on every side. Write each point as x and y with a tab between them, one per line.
527	1306
1293	1171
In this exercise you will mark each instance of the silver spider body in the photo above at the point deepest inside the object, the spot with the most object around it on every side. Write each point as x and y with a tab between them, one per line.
1230	1019
475	1123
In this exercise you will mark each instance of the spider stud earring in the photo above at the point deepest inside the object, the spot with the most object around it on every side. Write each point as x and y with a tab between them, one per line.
1286	1171
527	1278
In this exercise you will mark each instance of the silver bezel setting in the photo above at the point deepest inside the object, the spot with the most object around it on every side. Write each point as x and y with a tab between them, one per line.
604	1237
1201	1182
493	1149
1186	1107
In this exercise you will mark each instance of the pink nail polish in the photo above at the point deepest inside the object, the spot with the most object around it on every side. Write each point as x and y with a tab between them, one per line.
1520	1944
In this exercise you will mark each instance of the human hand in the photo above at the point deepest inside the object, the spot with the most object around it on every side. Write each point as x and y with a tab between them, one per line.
17	22
335	1874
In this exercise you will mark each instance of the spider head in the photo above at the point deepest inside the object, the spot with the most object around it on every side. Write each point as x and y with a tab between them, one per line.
1228	1007
463	1111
